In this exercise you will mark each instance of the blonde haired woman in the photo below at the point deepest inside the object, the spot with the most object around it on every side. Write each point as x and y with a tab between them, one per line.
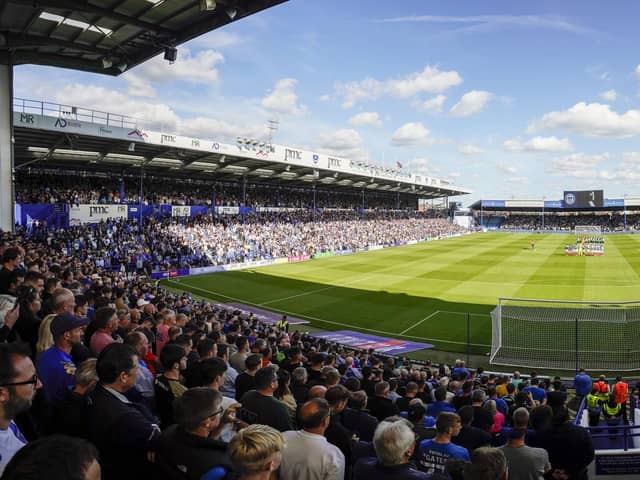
45	338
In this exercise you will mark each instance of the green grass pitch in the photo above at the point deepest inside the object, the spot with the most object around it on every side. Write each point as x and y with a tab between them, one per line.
424	292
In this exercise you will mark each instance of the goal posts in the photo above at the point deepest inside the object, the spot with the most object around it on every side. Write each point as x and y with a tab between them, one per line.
566	335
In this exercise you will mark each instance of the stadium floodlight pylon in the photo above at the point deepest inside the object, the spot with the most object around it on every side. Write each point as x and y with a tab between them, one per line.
566	335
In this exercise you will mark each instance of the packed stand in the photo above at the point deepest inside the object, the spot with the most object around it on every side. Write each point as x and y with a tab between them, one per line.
73	187
102	370
172	242
608	222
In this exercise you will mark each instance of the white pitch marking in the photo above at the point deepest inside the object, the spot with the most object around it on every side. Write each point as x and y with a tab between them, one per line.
418	323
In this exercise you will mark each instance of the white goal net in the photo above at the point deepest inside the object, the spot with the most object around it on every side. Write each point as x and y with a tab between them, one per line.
566	335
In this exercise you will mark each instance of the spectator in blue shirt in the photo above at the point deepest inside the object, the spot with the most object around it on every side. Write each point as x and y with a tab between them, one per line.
434	453
460	372
582	383
55	367
537	393
440	405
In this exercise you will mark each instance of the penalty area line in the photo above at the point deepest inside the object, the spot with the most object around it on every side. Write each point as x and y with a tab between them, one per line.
419	322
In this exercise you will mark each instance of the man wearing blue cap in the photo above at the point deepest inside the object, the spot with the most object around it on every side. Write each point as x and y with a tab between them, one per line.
55	367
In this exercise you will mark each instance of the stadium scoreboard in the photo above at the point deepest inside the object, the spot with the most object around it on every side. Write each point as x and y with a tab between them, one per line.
583	199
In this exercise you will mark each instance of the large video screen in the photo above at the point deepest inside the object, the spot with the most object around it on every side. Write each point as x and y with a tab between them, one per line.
583	199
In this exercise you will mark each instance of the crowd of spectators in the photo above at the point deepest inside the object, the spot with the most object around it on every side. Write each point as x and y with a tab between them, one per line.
608	222
102	371
72	187
166	243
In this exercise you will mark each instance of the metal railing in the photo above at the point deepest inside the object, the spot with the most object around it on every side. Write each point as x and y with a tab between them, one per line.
59	110
602	431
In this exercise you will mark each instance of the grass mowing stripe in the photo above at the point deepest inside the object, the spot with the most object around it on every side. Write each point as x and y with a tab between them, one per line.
359	278
396	288
214	295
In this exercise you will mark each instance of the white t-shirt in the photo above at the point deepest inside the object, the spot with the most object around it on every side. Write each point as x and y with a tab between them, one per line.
227	432
11	440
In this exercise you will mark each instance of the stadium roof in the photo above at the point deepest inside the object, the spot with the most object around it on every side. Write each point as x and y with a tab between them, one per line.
109	36
49	135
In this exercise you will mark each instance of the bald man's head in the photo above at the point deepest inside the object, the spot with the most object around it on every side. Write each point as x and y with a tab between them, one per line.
317	391
312	414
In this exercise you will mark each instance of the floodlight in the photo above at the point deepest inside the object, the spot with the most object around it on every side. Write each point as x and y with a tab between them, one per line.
122	67
231	13
106	62
132	147
207	5
170	54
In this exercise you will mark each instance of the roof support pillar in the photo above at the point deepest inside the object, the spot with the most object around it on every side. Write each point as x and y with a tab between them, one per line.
6	147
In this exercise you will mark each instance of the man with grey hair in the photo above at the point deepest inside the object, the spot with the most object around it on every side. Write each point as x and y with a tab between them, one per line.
482	418
394	443
299	387
380	405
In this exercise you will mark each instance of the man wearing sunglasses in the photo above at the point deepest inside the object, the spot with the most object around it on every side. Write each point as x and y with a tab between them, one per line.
18	385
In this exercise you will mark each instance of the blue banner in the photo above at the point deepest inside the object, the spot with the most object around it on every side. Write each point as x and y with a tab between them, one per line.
493	203
389	346
614	202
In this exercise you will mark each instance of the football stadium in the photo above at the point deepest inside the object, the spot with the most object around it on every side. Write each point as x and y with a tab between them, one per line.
231	235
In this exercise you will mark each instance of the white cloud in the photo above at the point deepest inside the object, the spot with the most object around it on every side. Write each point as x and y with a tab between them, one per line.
412	133
433	104
539	144
344	142
156	116
629	170
592	120
139	87
366	118
344	139
591	167
577	165
153	115
488	23
283	98
638	72
421	166
199	69
518	180
469	149
429	80
609	95
471	103
505	168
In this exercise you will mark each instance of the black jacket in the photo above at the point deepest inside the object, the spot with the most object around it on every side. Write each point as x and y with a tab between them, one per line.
570	448
360	422
182	455
123	434
381	407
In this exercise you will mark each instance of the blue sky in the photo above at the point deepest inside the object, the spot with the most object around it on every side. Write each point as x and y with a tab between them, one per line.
509	99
